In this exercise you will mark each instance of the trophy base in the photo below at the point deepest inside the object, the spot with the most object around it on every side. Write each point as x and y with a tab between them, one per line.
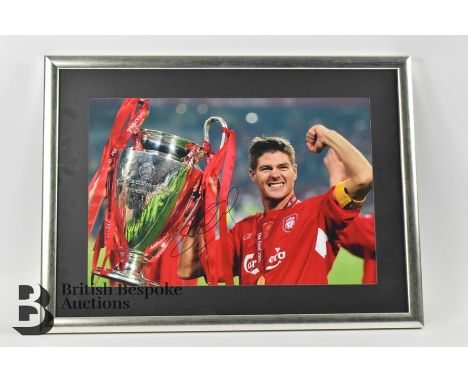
124	278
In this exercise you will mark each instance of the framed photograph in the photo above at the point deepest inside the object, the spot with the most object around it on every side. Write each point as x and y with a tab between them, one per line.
229	193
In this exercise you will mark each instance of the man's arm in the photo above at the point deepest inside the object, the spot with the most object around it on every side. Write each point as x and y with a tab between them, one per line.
192	245
335	168
357	167
189	258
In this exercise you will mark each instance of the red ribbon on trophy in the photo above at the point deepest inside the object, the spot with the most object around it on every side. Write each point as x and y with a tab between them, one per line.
217	264
127	123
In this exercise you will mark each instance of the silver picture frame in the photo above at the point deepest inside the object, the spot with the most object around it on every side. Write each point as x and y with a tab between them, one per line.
55	66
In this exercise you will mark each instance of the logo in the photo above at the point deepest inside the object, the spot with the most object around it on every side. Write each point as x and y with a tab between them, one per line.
250	264
289	222
276	259
25	311
247	236
146	170
267	226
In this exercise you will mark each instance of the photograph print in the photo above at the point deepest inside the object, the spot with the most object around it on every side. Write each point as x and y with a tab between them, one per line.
286	199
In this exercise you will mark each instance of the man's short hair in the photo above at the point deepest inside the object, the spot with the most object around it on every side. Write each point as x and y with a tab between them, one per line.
262	145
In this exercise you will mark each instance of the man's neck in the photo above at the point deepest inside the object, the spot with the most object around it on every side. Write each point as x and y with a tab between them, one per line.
272	205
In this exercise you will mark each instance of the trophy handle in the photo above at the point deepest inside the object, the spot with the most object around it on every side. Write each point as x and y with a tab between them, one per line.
207	126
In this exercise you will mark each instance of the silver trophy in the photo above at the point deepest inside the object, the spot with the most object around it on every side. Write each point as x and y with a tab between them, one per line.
154	194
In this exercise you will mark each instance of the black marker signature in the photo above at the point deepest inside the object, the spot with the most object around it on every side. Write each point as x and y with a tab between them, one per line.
204	227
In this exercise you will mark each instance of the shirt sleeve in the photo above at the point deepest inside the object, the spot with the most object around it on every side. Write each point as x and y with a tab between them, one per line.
336	218
359	237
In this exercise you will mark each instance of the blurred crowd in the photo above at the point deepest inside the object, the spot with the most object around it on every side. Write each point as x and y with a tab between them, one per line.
284	117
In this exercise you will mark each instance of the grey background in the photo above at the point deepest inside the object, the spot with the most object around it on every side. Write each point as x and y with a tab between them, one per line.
440	82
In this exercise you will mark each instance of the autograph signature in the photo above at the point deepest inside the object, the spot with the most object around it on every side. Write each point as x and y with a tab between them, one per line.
205	226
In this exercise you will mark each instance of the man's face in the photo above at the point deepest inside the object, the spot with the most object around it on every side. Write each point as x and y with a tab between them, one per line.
274	175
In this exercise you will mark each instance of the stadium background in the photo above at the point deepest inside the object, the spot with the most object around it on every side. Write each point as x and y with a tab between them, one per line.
250	117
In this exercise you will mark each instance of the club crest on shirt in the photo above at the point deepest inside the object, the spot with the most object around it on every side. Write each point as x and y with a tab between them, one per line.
289	222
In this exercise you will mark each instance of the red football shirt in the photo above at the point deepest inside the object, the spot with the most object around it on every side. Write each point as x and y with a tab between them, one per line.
359	239
298	242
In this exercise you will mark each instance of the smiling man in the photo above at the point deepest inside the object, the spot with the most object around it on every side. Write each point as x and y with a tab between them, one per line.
292	241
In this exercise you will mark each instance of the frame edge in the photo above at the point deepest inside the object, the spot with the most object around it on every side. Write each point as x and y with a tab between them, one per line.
49	182
402	64
410	200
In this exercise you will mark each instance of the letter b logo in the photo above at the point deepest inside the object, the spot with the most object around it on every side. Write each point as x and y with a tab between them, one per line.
26	311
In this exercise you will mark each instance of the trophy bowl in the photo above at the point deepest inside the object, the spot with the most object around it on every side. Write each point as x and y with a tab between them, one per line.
154	192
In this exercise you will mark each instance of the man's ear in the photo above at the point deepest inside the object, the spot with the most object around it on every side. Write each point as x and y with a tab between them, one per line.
252	175
295	171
